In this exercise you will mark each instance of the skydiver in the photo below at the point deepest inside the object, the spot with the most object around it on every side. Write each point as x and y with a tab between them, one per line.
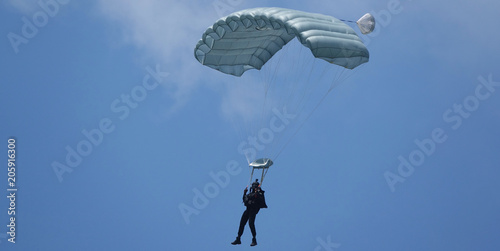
254	201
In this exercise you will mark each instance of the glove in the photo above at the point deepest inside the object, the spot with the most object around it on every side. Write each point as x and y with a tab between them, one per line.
246	190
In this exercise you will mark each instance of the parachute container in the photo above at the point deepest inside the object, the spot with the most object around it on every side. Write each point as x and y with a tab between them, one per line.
264	164
261	163
366	23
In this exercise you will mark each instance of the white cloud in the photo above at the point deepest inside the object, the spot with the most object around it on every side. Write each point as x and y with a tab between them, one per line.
167	32
160	27
243	100
24	6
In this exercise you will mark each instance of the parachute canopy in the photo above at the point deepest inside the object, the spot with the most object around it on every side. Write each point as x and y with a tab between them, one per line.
366	23
247	39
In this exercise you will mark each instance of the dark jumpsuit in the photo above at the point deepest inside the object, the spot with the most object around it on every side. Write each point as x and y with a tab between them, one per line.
254	201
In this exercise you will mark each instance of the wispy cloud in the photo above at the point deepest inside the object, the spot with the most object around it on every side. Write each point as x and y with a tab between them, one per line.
166	31
243	100
24	7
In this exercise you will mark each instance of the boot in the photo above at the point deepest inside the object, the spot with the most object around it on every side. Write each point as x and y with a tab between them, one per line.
237	241
254	242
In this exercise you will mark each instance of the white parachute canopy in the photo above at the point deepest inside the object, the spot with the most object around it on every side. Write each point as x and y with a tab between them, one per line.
247	39
281	63
366	23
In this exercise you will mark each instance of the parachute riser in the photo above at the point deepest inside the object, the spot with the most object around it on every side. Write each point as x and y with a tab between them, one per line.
264	164
251	176
263	175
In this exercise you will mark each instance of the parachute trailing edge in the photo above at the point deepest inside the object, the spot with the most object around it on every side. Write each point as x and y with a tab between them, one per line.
247	39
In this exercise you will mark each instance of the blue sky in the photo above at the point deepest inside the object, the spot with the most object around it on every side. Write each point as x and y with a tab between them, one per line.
403	155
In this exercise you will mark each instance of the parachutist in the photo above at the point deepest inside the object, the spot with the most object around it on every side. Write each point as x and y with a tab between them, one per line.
254	201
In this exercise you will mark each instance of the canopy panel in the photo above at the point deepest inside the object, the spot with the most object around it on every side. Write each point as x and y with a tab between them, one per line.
247	39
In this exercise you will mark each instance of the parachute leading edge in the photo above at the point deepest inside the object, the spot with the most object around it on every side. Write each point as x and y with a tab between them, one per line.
247	39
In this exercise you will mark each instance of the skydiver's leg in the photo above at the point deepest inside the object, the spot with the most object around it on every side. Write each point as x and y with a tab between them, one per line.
251	223
243	222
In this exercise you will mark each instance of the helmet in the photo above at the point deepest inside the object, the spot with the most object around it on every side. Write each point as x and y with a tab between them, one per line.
255	184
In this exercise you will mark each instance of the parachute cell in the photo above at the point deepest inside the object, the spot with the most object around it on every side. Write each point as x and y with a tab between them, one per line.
247	39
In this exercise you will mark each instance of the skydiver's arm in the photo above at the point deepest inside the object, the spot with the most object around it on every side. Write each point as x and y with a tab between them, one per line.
244	194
